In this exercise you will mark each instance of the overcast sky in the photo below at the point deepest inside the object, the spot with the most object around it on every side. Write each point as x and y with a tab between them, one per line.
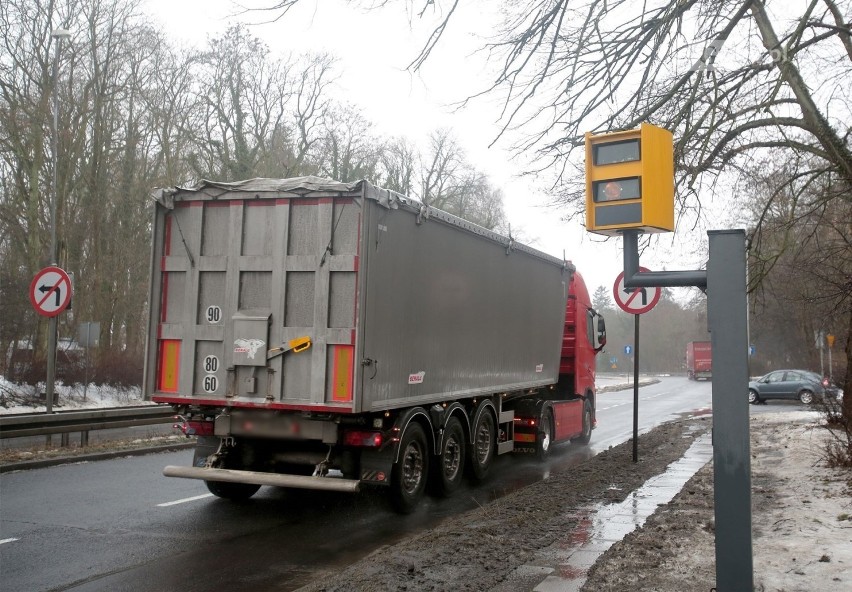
374	49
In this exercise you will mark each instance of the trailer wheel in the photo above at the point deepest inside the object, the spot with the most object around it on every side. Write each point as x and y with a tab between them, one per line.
449	465
482	452
204	447
408	477
586	436
232	491
544	441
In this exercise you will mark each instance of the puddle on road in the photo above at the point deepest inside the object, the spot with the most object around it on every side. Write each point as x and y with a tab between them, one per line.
601	526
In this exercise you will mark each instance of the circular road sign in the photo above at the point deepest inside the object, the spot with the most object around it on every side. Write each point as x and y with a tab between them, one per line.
635	300
50	291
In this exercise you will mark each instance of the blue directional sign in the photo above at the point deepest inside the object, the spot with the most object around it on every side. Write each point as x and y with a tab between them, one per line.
628	349
752	350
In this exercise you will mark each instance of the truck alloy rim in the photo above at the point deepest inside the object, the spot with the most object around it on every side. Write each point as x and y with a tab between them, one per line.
412	467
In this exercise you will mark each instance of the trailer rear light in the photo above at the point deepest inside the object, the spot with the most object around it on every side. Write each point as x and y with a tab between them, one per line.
525	422
362	439
195	428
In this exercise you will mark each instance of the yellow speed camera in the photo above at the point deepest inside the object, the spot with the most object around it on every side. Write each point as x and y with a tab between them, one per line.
630	181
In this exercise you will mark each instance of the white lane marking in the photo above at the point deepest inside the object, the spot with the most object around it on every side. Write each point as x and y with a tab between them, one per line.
4	541
185	500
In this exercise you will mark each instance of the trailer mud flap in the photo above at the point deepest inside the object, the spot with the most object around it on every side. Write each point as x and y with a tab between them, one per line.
376	466
274	479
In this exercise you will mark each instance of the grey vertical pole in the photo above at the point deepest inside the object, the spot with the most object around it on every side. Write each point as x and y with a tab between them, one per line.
86	372
728	315
636	388
52	325
830	364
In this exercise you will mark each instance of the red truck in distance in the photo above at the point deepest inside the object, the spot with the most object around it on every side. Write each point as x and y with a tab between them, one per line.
338	336
699	360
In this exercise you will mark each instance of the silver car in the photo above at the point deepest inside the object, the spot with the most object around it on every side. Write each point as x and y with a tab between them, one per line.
803	385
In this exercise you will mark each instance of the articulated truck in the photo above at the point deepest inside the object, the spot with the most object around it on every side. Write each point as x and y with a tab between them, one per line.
338	336
699	360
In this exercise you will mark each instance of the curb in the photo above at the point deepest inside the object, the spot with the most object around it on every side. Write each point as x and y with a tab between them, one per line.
27	465
627	385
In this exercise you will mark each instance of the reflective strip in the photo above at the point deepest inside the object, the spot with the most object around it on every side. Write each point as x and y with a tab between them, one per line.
169	365
341	381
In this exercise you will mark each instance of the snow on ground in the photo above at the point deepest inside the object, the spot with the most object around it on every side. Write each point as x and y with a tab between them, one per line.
17	398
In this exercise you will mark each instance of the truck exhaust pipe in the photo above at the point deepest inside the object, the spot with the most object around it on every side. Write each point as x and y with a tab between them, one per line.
274	479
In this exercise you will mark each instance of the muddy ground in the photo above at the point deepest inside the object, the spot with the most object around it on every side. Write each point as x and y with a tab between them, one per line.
482	549
801	524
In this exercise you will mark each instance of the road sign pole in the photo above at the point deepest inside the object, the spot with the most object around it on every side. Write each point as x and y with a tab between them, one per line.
636	389
58	35
830	364
51	365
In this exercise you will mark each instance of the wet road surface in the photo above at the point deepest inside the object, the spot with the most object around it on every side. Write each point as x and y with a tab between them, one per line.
121	525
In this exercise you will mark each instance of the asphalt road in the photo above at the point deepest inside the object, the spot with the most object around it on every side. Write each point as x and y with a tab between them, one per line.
120	525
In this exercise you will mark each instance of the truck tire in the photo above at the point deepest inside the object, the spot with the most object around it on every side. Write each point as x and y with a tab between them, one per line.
484	445
204	447
586	436
544	439
232	491
449	464
410	471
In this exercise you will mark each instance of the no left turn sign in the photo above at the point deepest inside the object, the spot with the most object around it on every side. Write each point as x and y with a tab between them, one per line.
635	300
50	291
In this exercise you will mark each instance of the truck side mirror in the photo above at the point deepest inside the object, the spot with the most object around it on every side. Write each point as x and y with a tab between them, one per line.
601	331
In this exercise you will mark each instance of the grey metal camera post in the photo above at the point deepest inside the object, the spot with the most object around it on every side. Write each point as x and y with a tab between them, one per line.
725	284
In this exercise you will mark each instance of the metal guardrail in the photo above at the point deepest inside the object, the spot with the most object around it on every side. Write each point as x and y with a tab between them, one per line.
64	422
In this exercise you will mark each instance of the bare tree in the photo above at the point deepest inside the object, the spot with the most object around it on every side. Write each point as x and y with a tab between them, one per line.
803	253
347	150
398	163
241	95
438	169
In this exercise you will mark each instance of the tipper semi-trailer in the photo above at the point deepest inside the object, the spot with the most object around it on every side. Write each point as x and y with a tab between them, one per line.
325	335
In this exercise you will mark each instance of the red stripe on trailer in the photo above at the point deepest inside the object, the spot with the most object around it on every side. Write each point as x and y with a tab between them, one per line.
167	248
167	236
